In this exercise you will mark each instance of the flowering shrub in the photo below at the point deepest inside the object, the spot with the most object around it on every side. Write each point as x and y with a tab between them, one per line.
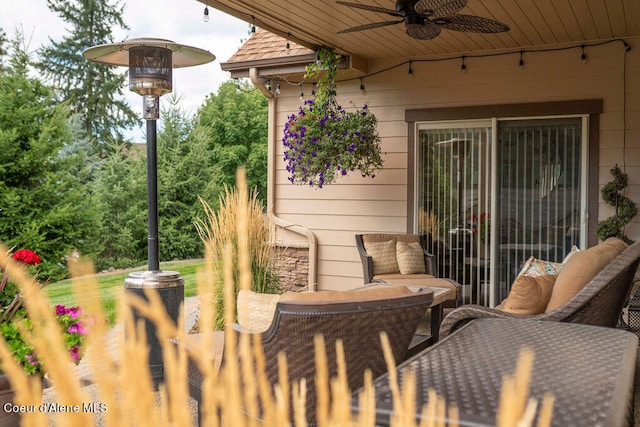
14	321
481	225
323	141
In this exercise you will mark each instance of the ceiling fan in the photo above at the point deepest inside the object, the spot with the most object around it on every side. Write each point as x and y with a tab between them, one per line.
424	19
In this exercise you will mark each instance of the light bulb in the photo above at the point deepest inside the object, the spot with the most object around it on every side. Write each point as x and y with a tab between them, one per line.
410	70
583	57
521	62
205	17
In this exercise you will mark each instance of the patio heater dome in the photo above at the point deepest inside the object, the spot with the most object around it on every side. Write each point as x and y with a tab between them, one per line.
150	61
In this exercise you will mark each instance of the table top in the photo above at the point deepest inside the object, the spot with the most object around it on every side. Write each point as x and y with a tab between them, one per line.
588	369
440	295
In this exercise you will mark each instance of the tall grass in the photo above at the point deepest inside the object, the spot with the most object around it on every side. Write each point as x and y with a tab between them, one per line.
124	392
221	228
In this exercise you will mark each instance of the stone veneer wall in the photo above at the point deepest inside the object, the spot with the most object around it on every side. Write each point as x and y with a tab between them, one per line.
293	266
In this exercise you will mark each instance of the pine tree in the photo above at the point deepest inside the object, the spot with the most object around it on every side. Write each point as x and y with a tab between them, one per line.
121	189
184	174
93	91
45	205
235	121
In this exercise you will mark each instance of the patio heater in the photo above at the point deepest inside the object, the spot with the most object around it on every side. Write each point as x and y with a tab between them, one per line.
150	63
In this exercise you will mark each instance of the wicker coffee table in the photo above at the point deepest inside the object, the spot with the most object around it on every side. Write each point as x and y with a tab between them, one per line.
588	369
440	296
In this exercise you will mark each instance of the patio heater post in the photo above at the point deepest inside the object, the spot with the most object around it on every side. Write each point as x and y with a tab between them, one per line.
150	63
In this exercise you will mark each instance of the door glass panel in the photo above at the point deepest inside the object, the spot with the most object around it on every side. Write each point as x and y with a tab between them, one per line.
539	192
537	197
454	202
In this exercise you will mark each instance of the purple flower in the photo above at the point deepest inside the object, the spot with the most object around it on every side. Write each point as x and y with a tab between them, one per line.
61	310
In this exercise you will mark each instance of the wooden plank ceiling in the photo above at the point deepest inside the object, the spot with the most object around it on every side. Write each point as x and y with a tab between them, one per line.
533	23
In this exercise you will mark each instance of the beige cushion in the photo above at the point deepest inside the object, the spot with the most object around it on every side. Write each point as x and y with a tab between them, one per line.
355	295
383	255
580	268
422	280
529	294
396	277
410	258
255	310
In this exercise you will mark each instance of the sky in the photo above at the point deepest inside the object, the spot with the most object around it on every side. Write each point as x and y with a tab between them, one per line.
176	20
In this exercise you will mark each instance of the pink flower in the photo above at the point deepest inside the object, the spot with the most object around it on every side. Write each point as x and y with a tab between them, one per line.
32	359
75	353
27	256
76	328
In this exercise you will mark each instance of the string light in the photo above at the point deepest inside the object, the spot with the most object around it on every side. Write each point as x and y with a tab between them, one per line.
205	17
287	46
278	87
253	24
463	67
583	57
301	93
521	63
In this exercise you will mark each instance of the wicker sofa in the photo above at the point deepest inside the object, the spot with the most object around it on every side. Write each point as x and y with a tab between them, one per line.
355	317
402	259
598	302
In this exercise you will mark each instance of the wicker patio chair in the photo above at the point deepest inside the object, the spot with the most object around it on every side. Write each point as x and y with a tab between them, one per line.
599	302
358	323
429	278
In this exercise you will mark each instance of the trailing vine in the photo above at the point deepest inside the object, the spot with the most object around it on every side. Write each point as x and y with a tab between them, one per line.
625	208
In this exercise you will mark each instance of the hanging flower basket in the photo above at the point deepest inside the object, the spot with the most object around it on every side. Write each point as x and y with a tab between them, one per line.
323	141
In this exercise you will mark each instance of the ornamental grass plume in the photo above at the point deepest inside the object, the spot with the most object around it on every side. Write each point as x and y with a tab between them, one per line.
222	227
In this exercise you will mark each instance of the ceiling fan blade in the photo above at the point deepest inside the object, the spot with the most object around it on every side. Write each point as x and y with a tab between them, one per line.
371	8
427	31
368	26
438	8
471	24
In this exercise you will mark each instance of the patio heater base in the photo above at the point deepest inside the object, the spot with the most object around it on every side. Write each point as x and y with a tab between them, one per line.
170	287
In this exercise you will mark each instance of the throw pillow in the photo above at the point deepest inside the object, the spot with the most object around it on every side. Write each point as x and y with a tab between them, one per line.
537	267
580	268
529	294
256	310
383	255
574	250
410	258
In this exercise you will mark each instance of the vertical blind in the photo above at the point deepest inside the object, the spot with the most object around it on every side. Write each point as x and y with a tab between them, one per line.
538	199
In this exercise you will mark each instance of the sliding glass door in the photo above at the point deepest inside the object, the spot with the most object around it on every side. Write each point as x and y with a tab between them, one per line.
493	193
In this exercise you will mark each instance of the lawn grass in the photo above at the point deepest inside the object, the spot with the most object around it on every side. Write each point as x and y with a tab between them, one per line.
111	283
